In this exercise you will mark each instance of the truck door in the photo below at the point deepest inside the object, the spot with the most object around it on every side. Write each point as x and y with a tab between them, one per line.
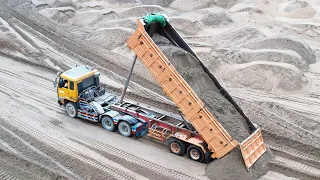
63	91
73	91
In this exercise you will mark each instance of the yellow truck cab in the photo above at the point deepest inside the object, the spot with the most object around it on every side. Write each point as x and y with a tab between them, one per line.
79	90
72	82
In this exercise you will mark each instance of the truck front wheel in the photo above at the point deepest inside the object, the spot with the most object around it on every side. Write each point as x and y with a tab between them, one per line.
71	109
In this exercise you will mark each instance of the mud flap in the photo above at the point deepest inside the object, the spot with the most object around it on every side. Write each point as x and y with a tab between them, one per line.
252	148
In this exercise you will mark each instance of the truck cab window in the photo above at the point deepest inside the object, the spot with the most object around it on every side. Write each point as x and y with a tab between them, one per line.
71	85
65	83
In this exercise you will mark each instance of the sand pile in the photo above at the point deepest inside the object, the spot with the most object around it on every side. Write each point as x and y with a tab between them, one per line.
43	2
265	76
210	17
249	14
102	4
291	9
201	83
239	56
231	166
110	38
236	37
62	14
188	5
297	9
127	23
86	17
186	25
215	17
162	3
286	43
139	11
209	58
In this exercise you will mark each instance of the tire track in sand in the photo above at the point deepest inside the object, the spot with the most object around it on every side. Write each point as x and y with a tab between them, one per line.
61	146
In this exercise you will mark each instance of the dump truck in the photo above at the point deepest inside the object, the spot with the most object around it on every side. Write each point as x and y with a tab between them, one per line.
196	131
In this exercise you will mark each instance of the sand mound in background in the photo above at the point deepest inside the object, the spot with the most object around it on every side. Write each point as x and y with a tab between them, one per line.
162	3
285	43
266	76
86	17
186	25
238	36
139	11
297	9
292	9
189	5
110	38
229	38
239	56
215	17
102	4
249	14
61	15
211	17
127	23
43	2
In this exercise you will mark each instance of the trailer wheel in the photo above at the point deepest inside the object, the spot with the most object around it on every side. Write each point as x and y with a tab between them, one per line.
71	109
107	123
124	129
195	153
177	147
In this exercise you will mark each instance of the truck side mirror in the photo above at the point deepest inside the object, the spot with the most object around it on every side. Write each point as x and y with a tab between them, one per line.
60	84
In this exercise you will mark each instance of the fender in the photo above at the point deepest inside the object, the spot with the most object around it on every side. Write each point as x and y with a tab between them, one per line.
110	113
131	120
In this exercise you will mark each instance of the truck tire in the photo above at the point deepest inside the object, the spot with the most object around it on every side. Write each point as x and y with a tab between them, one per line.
107	123
176	147
195	153
71	109
124	128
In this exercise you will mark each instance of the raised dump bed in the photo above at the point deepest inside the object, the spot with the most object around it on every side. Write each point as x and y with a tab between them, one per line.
217	139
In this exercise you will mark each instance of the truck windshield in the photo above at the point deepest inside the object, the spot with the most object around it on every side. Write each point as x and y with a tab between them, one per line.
88	82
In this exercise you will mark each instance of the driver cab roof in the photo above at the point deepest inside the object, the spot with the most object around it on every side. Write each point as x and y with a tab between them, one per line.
78	73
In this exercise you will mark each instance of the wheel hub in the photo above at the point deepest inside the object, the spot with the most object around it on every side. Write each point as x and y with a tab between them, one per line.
175	148
194	154
124	128
70	110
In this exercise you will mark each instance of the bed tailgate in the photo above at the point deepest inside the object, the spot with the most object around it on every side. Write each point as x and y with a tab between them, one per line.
252	148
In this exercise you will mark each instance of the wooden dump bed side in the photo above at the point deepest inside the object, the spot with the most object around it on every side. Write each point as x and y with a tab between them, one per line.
218	140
